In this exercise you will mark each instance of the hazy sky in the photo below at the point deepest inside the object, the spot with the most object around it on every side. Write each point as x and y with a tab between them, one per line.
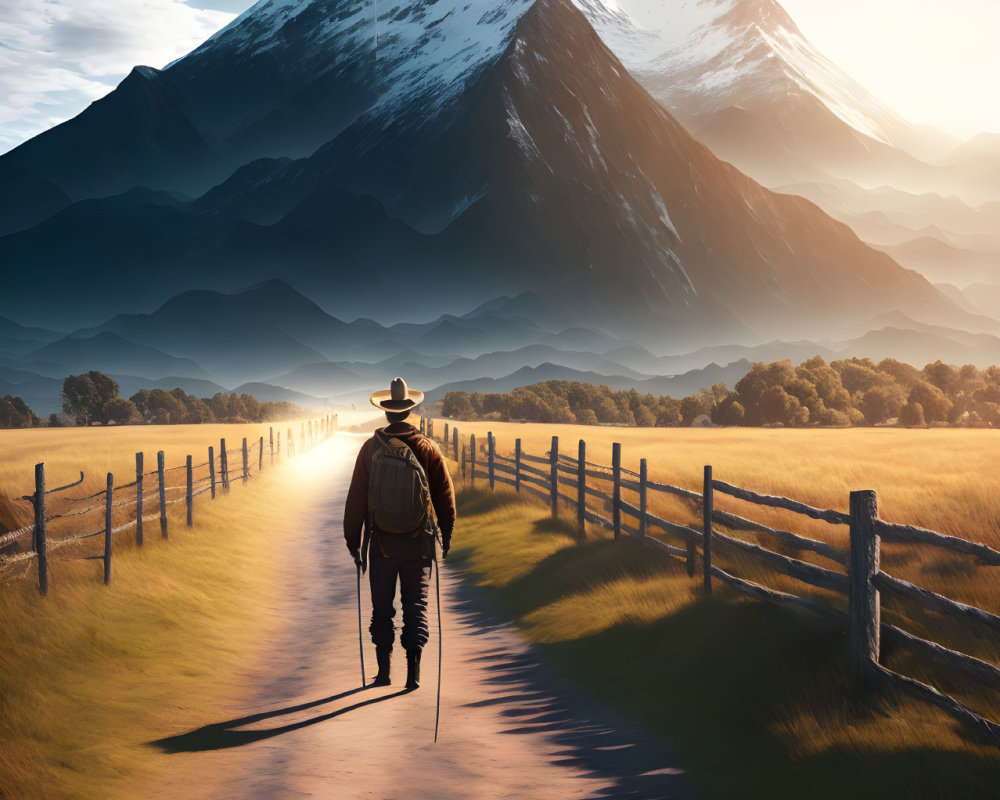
933	61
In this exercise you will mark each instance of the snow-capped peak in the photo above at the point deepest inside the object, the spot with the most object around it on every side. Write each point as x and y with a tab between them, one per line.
701	56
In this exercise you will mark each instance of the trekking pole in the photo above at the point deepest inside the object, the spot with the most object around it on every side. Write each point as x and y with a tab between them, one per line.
361	641
437	584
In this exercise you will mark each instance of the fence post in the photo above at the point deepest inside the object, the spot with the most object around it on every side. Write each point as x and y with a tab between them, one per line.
491	453
138	499
223	465
423	426
430	428
447	438
160	459
581	488
272	443
40	538
246	465
863	598
211	469
454	440
517	466
465	454
616	496
108	499
707	503
554	478
472	459
692	553
189	495
291	444
260	455
642	501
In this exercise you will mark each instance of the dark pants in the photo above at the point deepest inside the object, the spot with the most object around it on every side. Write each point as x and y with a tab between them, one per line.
414	576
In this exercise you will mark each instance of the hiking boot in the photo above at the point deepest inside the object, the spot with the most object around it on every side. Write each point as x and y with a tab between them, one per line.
383	656
412	669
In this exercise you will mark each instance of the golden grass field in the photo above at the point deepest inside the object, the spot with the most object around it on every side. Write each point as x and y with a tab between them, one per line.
750	684
754	698
943	479
89	673
99	450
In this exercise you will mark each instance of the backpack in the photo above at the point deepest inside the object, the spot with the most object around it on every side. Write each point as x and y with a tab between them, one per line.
399	498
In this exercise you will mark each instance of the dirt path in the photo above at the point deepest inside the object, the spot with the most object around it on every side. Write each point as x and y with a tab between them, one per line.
307	729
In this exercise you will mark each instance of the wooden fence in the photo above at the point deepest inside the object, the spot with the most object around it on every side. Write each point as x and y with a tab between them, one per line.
854	574
124	505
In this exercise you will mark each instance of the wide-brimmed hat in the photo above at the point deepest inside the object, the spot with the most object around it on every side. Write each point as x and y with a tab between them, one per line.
398	397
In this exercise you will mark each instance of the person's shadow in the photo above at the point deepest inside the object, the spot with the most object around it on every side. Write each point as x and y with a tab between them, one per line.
220	735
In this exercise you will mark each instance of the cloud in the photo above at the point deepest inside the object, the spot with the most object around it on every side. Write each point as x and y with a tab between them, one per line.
57	56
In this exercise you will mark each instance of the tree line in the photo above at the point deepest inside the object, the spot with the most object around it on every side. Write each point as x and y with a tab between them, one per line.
842	393
93	397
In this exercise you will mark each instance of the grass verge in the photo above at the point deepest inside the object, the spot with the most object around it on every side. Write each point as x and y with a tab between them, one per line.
90	673
755	699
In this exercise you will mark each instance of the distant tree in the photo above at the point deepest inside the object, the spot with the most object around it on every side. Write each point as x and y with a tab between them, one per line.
729	411
881	403
141	401
695	405
79	397
606	410
827	383
944	376
903	374
164	409
644	417
936	406
912	415
586	416
779	407
84	396
668	412
15	413
120	411
106	390
457	405
859	374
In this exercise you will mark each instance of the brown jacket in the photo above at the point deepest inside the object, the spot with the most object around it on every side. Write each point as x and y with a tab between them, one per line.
438	478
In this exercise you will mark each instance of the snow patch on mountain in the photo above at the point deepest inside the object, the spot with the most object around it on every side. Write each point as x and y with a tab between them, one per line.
406	48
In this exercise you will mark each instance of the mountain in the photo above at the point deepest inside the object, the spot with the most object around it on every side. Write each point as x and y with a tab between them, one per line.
41	393
321	379
19	339
472	150
236	336
912	346
108	352
742	78
943	238
676	386
267	393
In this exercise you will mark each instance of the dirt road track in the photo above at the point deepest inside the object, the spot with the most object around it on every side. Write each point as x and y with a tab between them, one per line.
306	729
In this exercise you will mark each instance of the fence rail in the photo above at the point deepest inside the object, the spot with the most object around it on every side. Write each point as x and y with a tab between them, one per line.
122	514
858	577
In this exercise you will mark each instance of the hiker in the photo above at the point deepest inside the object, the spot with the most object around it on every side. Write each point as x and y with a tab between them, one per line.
400	484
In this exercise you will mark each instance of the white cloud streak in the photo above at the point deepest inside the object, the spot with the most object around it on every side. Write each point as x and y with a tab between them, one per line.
57	56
